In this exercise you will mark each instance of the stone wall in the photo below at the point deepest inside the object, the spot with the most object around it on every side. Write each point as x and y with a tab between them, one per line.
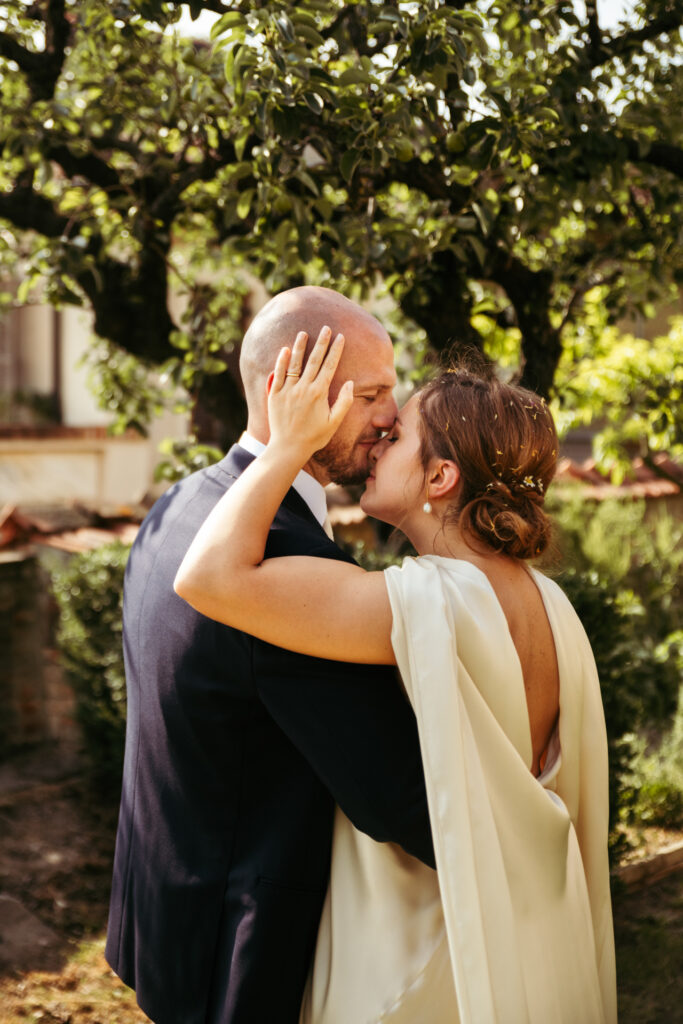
36	703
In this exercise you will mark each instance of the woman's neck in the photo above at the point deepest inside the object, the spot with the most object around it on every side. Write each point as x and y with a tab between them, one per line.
429	537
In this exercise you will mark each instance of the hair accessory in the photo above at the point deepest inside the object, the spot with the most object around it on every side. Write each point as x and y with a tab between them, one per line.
531	484
528	483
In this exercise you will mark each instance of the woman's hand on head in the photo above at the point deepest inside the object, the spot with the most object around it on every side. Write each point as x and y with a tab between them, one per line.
299	411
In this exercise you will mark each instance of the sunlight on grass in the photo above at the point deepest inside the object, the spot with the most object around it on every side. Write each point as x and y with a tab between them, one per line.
85	992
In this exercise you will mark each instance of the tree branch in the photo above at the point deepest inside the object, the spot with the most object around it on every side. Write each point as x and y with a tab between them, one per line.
593	281
530	292
92	168
42	69
426	178
594	33
624	45
31	212
129	302
29	62
659	154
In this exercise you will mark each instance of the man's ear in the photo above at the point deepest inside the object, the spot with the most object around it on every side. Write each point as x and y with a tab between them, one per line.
442	479
269	382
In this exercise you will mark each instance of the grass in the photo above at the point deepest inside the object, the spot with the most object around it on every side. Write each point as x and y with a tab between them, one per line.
86	991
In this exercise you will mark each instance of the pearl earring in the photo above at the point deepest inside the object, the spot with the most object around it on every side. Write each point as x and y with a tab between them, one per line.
427	507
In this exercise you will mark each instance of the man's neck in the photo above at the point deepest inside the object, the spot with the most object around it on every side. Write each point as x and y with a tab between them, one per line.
262	434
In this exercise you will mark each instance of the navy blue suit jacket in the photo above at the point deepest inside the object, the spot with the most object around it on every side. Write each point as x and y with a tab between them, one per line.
236	752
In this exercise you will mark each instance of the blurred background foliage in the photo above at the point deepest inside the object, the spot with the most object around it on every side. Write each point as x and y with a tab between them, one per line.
619	562
89	595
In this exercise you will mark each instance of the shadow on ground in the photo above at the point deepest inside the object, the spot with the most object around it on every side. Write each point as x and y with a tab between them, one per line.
649	934
55	859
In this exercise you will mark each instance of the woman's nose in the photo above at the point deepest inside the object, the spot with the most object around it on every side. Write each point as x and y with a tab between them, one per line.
376	451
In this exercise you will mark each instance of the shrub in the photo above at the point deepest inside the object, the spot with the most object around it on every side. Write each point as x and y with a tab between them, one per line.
638	556
622	574
88	592
622	663
653	789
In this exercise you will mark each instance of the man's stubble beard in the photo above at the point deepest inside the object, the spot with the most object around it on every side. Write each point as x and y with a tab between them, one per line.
335	459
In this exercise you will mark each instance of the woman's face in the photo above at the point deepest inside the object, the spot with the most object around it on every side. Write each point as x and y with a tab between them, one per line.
395	485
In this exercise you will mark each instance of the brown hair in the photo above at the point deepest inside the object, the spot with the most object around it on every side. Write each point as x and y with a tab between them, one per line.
503	440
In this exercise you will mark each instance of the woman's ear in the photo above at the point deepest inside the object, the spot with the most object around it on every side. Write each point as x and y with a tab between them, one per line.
442	479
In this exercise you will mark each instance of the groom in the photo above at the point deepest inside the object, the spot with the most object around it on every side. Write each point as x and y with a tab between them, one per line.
237	751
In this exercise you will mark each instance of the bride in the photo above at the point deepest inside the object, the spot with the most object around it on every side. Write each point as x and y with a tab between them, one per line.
515	925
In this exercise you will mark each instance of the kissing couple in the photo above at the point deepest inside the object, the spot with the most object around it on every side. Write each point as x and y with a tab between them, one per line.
349	796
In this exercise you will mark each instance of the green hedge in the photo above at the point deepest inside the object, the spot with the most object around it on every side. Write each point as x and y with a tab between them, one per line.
89	594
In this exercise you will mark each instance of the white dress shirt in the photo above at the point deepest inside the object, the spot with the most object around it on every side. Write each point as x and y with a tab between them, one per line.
305	485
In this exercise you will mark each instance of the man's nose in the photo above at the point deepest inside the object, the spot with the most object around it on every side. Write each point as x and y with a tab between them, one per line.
385	413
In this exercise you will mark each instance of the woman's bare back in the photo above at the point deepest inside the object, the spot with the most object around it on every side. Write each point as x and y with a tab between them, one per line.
532	636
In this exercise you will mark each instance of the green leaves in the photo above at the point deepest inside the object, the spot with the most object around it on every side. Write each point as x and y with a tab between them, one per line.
631	387
467	156
232	24
348	163
88	593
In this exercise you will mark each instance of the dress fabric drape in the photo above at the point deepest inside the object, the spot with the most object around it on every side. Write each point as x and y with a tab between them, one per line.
515	926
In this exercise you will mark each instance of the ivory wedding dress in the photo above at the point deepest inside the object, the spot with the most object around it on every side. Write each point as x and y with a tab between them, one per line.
515	926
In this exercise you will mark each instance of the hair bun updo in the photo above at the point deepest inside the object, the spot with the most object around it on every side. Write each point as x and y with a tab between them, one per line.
503	440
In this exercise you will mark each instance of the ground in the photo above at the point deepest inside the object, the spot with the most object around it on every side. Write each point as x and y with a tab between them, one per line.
55	865
55	869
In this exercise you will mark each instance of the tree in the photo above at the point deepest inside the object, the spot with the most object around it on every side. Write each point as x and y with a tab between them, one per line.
488	164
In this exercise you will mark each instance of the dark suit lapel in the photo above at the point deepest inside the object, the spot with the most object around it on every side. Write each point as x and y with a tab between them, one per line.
235	463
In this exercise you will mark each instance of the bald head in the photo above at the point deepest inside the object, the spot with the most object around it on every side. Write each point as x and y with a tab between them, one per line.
308	308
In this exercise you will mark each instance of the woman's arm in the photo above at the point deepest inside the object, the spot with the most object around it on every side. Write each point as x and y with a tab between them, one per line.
311	605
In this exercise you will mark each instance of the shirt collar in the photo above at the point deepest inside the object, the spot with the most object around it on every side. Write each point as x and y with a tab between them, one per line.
305	485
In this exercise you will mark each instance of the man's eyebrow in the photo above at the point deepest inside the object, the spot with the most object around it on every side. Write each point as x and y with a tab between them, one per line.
372	388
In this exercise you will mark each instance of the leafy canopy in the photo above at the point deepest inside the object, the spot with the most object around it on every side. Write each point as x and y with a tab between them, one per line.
489	166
